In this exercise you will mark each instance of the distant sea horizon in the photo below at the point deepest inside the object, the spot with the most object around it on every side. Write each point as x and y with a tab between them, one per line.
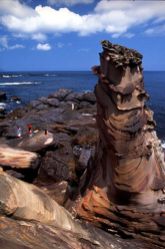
30	85
65	70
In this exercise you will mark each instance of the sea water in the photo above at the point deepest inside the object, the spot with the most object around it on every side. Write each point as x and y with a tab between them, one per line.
32	85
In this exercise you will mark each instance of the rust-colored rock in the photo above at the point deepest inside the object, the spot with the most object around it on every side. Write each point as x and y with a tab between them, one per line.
125	192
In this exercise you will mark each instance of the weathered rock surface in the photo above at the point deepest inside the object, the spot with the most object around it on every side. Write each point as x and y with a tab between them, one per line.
17	158
15	234
27	202
125	190
37	142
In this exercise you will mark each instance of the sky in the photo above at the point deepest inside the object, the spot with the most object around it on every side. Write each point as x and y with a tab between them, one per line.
57	35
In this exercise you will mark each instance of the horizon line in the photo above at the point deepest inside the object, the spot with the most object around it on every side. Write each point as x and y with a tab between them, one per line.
10	71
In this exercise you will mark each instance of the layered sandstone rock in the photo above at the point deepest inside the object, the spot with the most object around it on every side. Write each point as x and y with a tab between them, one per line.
125	190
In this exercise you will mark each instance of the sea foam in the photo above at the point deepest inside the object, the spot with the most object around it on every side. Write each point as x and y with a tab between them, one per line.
11	75
19	83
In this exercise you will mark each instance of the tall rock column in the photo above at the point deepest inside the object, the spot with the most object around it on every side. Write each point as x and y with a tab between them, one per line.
125	187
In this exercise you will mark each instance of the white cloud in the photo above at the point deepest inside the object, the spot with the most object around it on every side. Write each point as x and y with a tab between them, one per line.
113	17
69	2
39	37
4	41
44	47
4	44
16	46
36	36
156	30
15	8
20	35
126	35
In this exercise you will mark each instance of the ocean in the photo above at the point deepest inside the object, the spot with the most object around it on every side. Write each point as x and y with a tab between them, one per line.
32	85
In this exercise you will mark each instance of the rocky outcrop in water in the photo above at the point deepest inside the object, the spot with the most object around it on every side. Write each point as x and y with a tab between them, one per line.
125	191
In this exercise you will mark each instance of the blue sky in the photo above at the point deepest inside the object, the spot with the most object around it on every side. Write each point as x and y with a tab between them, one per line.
66	34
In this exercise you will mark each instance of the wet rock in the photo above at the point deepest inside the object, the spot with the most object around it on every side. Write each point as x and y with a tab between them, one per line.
41	107
15	99
90	97
84	104
34	103
73	96
3	96
61	94
84	158
53	102
3	111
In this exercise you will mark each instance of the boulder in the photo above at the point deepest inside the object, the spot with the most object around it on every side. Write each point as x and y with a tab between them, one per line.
27	202
61	94
37	141
2	96
17	158
58	164
15	99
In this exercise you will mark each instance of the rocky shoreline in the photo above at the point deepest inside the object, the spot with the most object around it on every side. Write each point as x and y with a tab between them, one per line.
64	152
62	178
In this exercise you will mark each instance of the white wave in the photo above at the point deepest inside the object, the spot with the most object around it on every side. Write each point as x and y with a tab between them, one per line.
11	75
6	76
163	144
16	76
49	75
2	106
87	91
19	83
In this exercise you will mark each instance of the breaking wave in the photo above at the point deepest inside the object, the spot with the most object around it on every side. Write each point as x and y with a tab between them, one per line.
19	83
49	75
163	144
11	75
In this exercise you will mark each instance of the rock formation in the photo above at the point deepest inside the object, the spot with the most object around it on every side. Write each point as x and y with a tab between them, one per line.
27	202
17	158
125	189
29	218
121	180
